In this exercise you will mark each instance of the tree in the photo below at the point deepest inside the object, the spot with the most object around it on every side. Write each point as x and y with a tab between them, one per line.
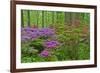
52	17
28	16
37	15
22	20
68	18
42	18
76	19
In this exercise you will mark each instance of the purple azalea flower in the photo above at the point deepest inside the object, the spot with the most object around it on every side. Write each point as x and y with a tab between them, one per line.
36	31
47	32
27	28
34	36
22	29
51	44
25	38
44	53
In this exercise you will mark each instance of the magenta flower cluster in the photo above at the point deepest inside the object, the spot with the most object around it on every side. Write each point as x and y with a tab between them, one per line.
49	45
44	53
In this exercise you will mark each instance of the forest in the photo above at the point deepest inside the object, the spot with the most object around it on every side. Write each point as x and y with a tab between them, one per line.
54	36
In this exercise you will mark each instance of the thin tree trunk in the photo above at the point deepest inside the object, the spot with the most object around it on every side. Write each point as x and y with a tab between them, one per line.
42	18
66	21
73	18
46	19
28	16
52	18
68	18
76	19
37	15
82	18
22	20
55	17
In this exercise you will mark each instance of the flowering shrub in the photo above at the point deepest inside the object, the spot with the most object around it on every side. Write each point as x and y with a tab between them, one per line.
47	32
37	38
29	33
51	44
44	53
58	43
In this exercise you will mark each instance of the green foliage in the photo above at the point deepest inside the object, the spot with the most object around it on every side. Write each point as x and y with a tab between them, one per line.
37	44
74	40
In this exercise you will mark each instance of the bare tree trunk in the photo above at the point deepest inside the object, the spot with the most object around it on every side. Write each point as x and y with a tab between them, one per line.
37	15
55	17
42	18
68	18
46	18
73	18
52	18
28	16
22	20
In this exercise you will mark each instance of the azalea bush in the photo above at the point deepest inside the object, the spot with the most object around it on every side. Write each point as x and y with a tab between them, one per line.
53	44
40	42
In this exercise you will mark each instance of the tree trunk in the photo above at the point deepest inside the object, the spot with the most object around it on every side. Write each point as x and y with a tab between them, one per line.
28	16
37	15
22	20
52	18
68	18
42	18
